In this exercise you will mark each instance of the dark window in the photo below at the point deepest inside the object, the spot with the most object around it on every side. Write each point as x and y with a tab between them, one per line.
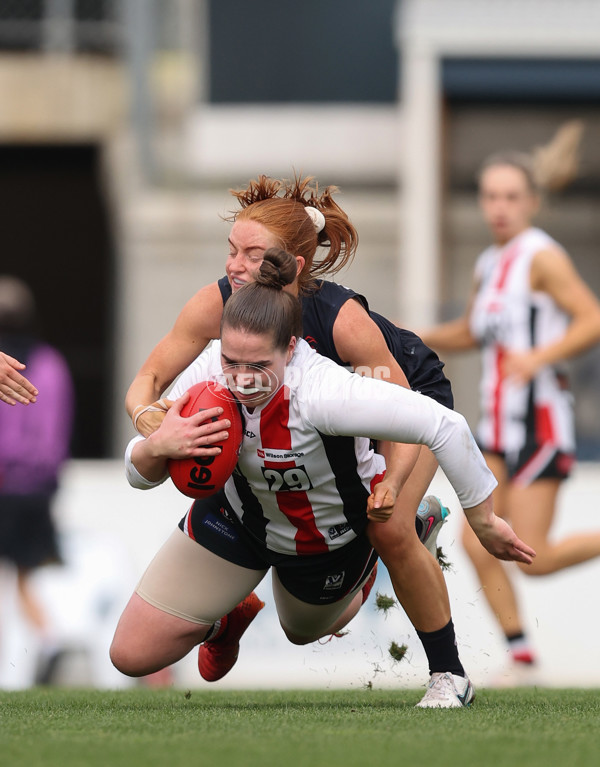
88	26
313	51
56	237
530	80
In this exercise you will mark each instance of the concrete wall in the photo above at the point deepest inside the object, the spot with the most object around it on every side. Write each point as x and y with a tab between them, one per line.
55	97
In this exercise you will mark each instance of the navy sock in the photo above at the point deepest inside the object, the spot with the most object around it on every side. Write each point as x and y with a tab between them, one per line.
441	650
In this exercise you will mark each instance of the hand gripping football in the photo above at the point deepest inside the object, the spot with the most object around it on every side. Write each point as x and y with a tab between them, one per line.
202	476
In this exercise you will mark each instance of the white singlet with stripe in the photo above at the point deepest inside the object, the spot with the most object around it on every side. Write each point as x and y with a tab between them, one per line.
508	315
306	467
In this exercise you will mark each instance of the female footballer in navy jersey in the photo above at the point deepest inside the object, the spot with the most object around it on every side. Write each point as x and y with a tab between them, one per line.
292	399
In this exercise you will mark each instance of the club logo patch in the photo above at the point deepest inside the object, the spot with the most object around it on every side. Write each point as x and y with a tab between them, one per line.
337	530
333	582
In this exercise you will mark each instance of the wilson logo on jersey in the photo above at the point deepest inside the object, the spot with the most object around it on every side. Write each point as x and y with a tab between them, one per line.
286	480
334	581
279	455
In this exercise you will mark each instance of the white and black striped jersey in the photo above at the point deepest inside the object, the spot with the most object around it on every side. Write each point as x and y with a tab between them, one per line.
306	467
508	315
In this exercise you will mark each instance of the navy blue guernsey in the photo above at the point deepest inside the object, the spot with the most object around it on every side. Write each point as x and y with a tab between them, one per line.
320	307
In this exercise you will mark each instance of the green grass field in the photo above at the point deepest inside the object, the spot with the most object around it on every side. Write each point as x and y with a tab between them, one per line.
528	727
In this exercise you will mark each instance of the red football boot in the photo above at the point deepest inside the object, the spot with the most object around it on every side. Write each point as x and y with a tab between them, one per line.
216	657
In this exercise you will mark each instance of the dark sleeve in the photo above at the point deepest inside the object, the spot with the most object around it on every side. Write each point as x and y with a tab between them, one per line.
320	308
421	365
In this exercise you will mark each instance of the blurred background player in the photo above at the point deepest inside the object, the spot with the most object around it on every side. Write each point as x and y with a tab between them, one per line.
34	443
529	311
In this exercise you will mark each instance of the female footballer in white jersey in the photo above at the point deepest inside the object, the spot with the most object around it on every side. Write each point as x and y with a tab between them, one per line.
312	534
529	311
305	220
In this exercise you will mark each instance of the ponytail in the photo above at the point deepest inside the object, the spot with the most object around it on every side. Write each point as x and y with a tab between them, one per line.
281	206
548	168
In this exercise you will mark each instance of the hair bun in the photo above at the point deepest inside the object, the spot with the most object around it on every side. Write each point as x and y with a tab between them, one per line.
277	269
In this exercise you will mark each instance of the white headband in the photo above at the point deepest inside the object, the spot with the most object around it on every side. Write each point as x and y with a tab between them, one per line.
316	217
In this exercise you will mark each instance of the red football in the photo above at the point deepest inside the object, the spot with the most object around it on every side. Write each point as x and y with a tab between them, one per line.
201	477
